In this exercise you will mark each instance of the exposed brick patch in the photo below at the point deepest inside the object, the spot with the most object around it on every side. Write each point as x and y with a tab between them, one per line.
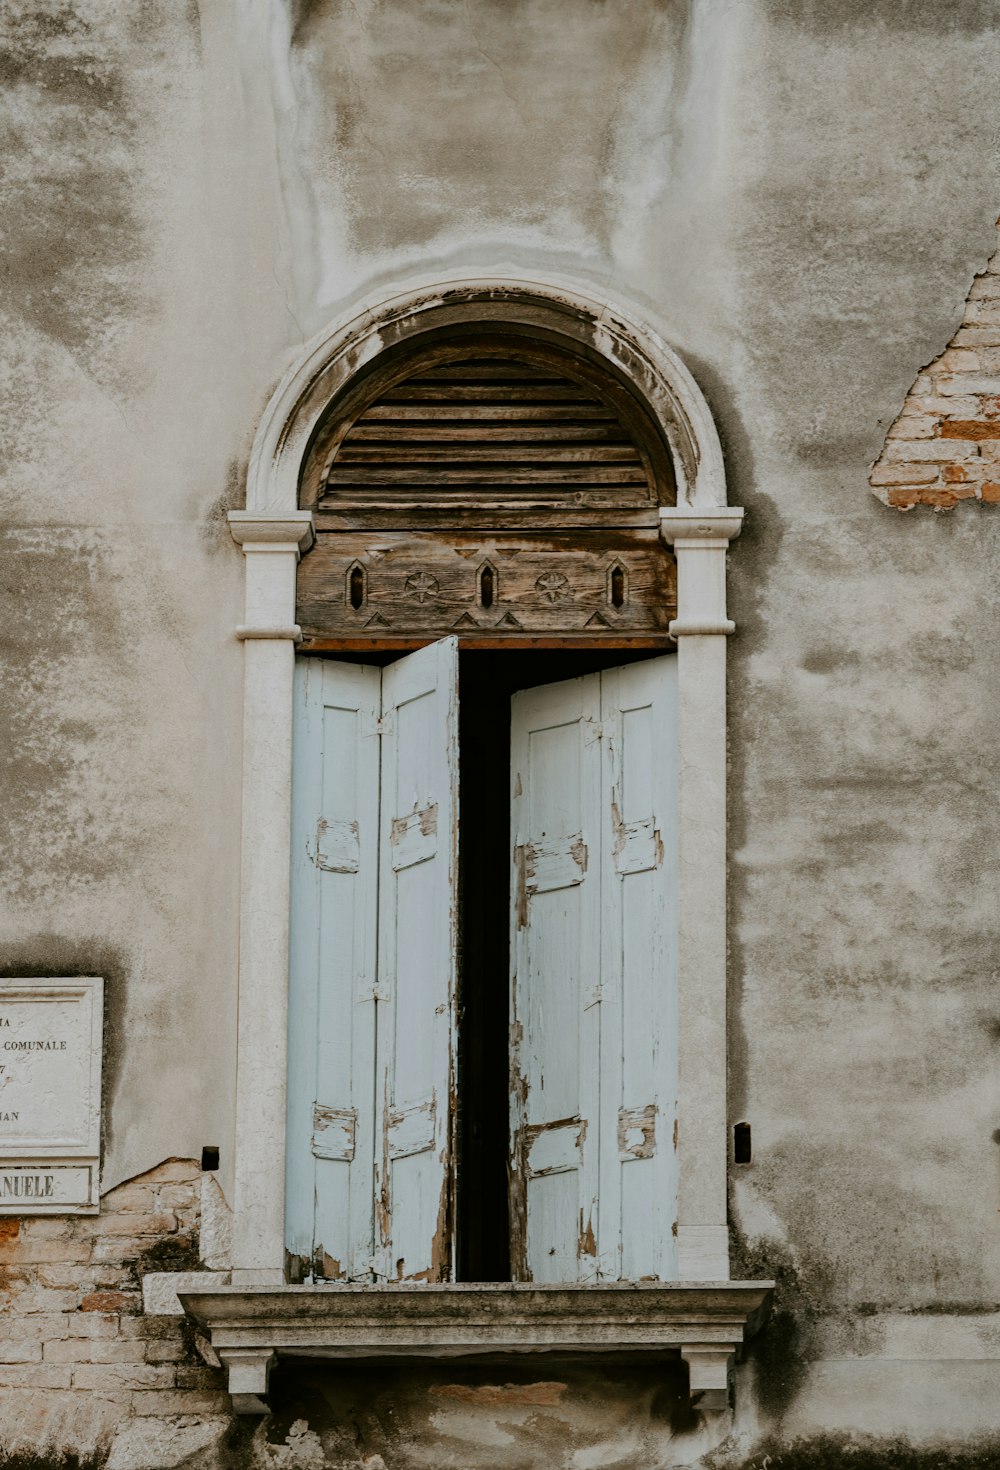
80	1365
945	445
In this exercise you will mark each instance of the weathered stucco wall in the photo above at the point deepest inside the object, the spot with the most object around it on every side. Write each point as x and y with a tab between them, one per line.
797	196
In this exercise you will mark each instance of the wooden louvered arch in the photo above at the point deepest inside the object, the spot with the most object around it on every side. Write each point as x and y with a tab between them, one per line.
484	422
494	484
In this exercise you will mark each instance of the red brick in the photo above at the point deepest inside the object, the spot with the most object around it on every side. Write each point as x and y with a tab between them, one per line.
111	1301
990	492
970	429
904	499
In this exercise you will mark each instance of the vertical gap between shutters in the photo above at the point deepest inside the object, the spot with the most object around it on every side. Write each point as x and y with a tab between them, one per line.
377	973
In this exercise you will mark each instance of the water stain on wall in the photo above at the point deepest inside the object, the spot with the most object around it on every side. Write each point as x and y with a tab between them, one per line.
61	821
441	117
72	238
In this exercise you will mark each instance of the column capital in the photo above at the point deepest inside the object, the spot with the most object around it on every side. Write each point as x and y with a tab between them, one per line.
272	545
712	526
700	538
255	531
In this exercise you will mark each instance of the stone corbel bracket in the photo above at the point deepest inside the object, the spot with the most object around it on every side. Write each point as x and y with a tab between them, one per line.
704	1323
700	538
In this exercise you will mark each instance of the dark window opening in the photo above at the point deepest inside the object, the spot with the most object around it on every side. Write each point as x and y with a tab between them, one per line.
487	679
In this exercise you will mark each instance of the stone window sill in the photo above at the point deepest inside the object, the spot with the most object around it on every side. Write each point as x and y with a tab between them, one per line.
252	1326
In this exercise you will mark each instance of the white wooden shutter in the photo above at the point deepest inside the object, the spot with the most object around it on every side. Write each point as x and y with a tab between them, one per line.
638	1169
333	969
417	965
555	955
593	976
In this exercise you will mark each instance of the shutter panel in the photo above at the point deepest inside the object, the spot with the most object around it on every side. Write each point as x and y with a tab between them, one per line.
638	1183
417	964
330	1188
593	966
555	990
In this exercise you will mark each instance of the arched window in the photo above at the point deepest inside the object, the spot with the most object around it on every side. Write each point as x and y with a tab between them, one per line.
483	982
492	485
597	803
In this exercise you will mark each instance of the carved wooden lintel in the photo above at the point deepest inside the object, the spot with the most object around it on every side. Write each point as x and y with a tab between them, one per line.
601	585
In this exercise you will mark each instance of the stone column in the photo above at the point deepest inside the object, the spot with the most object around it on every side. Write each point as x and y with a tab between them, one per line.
700	539
271	546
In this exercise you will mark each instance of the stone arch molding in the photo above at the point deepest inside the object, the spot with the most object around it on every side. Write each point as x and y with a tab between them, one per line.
272	531
356	341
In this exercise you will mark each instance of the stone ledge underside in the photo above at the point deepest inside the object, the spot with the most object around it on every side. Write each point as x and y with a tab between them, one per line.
705	1322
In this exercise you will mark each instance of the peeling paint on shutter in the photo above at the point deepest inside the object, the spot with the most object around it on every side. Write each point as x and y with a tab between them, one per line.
638	971
555	957
333	972
593	1067
372	975
417	965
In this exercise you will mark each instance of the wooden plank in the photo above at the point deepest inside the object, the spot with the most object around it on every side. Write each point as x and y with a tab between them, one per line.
451	453
482	473
491	395
404	645
453	503
619	511
528	413
507	370
550	433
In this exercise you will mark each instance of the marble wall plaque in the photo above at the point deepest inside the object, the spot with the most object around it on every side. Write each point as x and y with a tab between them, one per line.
50	1095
